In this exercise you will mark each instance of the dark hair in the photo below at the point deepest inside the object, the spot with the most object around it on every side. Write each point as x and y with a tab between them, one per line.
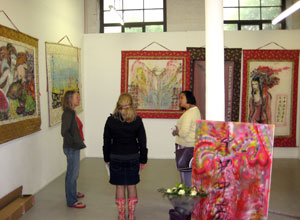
257	79
67	100
190	98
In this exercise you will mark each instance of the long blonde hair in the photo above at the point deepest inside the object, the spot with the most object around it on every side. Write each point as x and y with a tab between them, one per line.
125	108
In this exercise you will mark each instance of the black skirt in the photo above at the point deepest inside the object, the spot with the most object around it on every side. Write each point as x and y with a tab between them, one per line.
124	169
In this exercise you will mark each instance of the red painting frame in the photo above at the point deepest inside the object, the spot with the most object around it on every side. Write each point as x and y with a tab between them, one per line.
273	56
156	55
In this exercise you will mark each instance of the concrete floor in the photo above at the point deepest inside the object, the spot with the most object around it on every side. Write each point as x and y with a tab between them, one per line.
93	181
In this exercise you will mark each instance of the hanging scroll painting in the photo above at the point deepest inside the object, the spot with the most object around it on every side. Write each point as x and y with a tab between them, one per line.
270	83
155	80
19	85
232	163
63	72
232	74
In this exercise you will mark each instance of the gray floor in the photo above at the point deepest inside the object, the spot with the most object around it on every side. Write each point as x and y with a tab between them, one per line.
93	181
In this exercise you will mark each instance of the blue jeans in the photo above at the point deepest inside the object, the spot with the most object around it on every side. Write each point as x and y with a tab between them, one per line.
73	161
186	177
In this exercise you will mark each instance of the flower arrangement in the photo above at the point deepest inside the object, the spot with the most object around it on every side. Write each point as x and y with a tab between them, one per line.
181	190
183	198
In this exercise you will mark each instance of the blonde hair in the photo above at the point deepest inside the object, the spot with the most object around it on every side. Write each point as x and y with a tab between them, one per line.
125	108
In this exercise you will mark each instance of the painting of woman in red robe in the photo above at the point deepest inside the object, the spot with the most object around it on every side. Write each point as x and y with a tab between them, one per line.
262	80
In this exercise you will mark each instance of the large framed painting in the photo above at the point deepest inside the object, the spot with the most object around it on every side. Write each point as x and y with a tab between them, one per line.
19	85
64	74
232	163
232	80
270	83
155	80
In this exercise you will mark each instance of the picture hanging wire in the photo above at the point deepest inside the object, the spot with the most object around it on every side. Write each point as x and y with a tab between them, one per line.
66	36
154	42
271	43
9	20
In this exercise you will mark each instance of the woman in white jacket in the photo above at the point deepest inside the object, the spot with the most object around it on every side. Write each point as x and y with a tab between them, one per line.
186	127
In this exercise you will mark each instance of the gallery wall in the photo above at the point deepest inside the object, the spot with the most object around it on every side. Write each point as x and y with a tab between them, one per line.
35	160
102	68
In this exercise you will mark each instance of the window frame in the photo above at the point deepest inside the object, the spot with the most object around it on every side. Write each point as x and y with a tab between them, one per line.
259	22
134	24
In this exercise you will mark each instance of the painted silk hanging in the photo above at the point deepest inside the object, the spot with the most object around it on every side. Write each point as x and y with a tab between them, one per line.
270	83
19	85
155	80
64	73
232	76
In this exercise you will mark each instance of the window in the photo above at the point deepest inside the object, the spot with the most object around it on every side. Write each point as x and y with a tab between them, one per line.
137	15
252	14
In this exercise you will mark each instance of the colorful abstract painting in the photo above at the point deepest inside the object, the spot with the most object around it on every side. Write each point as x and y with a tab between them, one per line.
19	90
270	85
155	80
63	71
232	163
232	76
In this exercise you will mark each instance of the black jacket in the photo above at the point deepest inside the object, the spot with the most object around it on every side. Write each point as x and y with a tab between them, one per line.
123	138
70	130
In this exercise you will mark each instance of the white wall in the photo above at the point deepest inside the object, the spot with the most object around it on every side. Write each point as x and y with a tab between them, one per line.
102	67
188	15
35	160
92	16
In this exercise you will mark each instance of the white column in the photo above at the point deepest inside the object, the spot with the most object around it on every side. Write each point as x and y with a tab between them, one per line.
214	41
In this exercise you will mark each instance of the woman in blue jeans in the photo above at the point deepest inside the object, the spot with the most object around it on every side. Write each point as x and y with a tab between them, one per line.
71	130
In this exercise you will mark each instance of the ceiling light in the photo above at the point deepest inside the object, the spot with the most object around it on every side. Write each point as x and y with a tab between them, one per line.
286	13
117	15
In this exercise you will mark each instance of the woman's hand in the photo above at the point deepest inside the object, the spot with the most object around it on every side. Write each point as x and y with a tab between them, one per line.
175	131
142	166
107	163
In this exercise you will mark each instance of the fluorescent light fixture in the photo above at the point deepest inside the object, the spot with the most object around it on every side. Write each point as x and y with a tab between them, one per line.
286	13
113	10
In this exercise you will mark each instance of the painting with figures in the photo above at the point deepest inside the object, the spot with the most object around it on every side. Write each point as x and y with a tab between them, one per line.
155	80
19	90
270	85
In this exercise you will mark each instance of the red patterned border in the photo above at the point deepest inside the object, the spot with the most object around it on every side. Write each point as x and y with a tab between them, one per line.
274	55
156	55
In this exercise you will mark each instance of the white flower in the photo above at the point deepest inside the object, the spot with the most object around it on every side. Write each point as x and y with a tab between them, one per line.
180	186
193	193
174	188
181	192
169	190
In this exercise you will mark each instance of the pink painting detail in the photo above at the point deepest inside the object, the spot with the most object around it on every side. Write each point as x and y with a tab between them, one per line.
232	163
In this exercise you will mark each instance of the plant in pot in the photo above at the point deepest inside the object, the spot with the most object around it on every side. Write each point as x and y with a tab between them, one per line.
183	199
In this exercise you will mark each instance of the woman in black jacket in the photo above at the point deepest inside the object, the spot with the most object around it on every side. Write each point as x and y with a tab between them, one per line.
71	130
125	151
